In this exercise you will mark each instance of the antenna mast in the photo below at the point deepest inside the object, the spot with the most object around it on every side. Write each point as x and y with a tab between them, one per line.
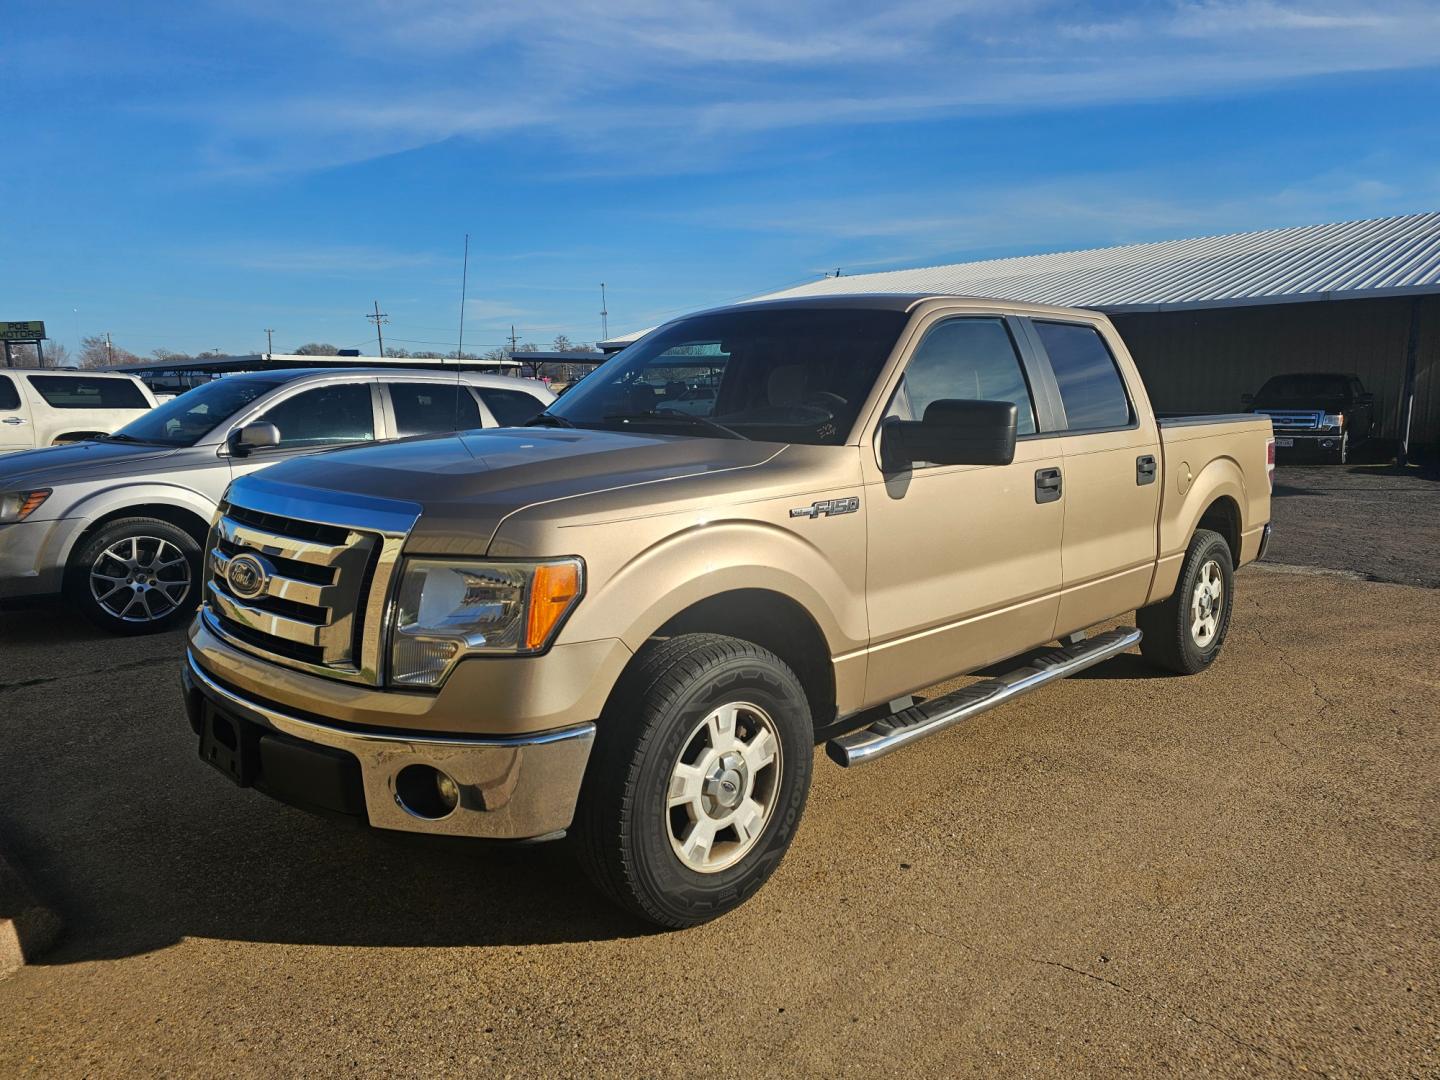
464	278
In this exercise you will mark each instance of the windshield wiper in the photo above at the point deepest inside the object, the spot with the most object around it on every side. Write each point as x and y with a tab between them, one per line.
546	419
682	417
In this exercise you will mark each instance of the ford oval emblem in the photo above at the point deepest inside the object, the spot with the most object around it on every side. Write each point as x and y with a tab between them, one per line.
247	577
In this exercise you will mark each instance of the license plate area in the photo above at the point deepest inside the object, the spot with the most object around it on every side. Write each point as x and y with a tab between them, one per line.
230	745
1284	442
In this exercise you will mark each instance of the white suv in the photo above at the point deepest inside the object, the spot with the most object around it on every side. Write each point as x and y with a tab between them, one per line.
44	407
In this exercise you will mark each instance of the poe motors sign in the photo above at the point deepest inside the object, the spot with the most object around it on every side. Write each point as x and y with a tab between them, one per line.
26	333
22	331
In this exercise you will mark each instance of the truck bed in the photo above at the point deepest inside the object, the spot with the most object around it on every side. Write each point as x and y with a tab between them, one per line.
1206	459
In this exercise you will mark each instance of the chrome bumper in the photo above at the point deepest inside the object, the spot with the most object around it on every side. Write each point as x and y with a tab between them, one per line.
510	787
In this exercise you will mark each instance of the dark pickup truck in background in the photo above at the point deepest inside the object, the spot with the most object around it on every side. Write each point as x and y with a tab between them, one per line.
1317	417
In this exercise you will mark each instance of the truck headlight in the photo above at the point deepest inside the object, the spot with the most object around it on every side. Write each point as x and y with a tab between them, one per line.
1332	420
18	505
450	608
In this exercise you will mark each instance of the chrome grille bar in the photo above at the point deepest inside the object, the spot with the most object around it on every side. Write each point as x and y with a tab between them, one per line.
331	624
279	586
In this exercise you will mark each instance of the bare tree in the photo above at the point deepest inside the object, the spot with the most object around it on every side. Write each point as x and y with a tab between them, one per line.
561	344
54	354
168	354
316	348
97	352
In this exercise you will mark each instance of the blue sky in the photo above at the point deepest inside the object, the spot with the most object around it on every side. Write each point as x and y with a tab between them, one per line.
185	175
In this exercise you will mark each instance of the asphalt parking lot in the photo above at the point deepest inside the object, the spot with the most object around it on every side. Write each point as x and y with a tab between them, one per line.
1230	873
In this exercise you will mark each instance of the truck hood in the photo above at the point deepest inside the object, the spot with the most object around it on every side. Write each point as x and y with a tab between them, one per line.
54	465
466	484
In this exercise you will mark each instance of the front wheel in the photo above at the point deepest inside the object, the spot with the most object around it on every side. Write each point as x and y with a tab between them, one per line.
1185	632
698	779
136	576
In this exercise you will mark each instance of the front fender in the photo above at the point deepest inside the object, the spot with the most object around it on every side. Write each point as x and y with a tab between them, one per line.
122	497
685	567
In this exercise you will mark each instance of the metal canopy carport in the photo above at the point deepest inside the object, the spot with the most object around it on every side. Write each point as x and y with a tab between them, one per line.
1211	317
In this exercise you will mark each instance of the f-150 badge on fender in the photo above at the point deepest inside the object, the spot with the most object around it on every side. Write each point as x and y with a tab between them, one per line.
827	508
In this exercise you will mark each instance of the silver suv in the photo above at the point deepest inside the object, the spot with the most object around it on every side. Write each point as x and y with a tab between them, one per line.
117	524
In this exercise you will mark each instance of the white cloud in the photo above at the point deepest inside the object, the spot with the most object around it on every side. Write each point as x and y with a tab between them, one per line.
912	228
653	77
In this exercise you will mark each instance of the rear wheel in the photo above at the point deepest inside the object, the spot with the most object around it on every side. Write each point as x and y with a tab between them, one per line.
136	576
1185	632
699	775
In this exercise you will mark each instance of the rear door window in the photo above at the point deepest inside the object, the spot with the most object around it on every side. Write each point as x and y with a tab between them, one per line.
9	396
88	392
427	408
325	416
511	408
1091	388
968	359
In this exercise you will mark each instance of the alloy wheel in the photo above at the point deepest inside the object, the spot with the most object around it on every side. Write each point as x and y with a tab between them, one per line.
140	579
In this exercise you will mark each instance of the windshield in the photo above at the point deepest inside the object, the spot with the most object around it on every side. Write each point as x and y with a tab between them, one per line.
777	375
1303	387
187	419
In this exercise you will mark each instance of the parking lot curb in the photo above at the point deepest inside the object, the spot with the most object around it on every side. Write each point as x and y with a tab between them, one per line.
27	927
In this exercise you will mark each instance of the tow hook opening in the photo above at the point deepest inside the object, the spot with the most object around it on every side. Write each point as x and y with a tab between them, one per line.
426	792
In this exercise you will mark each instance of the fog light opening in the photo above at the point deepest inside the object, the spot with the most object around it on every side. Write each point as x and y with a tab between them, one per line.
426	792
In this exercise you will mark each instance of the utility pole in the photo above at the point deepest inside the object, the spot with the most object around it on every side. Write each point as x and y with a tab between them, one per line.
109	349
378	318
269	343
464	277
604	315
513	339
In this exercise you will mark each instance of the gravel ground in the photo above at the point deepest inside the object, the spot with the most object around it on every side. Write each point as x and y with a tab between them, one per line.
1121	873
1377	521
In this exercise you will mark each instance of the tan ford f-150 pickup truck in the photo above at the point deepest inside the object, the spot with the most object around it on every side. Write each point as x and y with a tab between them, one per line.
756	529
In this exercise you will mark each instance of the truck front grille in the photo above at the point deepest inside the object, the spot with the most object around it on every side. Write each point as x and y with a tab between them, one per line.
1292	421
307	594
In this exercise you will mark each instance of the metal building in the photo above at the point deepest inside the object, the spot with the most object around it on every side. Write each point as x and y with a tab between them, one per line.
1211	318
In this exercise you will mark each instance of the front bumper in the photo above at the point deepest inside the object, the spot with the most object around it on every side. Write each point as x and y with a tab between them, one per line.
510	786
1309	445
31	563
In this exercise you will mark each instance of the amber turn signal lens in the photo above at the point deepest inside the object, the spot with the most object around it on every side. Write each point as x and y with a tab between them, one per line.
554	589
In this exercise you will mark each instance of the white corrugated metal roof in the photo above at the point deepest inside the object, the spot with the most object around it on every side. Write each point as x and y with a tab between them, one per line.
1310	262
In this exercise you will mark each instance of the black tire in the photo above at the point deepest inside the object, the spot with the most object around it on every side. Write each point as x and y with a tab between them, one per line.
1170	642
623	831
165	605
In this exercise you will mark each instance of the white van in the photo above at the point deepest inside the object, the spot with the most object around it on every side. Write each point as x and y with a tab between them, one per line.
43	407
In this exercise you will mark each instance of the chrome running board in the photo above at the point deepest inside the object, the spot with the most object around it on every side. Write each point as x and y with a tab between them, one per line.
909	725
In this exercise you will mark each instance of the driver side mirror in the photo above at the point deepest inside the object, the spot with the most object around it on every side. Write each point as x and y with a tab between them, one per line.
952	432
252	437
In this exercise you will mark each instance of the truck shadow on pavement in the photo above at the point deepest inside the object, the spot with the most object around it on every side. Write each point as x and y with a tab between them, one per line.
137	844
274	875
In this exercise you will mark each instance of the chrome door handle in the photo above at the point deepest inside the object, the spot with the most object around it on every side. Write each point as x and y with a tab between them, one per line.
14	420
